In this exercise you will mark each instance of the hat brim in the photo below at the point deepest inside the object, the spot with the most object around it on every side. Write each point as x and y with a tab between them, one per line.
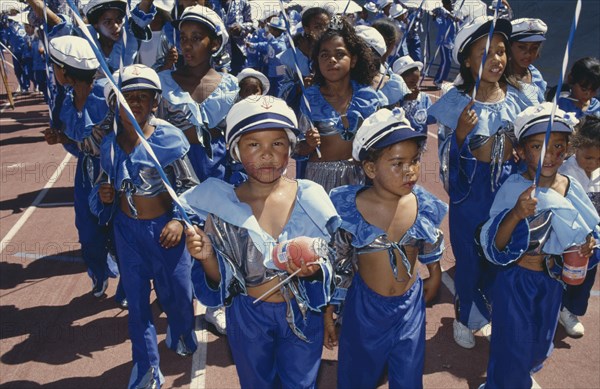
93	13
194	18
503	27
542	127
397	136
269	126
412	65
528	38
280	28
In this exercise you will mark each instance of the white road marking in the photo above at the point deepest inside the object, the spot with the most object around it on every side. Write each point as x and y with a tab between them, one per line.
199	358
38	199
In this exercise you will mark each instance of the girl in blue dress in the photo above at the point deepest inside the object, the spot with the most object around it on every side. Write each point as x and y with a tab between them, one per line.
584	80
525	46
338	102
475	158
196	98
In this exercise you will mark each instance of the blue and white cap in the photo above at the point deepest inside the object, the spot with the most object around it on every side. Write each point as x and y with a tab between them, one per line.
373	38
528	30
135	77
73	51
405	63
397	10
208	18
259	113
278	23
534	120
95	8
478	28
382	129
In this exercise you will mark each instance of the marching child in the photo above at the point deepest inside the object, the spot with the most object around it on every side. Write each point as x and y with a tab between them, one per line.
415	104
252	82
385	228
148	226
475	158
583	166
107	26
276	342
274	44
340	99
525	46
527	236
75	65
196	97
584	80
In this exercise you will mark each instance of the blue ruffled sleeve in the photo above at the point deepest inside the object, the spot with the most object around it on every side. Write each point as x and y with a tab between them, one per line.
394	90
426	229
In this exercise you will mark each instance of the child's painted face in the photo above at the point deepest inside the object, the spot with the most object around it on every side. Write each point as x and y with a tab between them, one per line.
588	158
196	44
397	169
335	61
264	154
495	61
110	24
250	86
582	94
524	54
554	157
142	103
411	78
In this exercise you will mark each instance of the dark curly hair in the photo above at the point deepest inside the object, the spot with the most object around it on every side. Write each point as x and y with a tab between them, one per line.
587	134
469	81
366	66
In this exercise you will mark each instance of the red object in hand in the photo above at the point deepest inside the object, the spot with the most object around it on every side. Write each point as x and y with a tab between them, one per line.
574	266
298	250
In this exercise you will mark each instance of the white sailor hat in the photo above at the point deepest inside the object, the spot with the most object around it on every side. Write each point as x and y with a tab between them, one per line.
73	51
528	30
373	38
206	17
249	72
277	22
534	120
371	7
477	28
405	63
94	8
397	10
382	129
259	113
134	77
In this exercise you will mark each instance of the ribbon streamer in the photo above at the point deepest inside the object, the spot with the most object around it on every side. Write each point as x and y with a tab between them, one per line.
558	88
123	103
